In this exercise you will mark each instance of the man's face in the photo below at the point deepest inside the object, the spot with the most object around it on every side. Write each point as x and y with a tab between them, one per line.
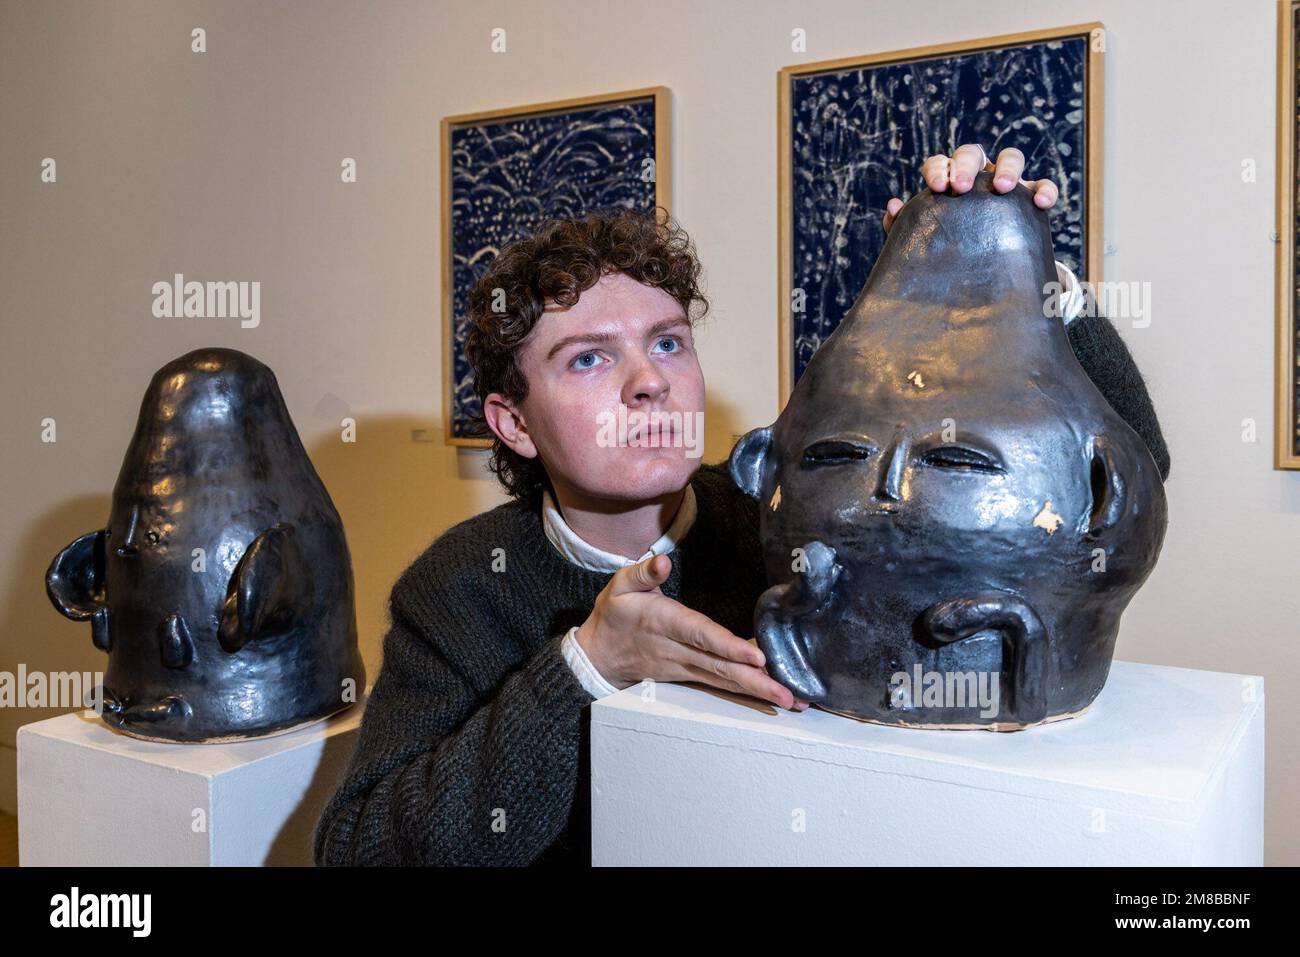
622	343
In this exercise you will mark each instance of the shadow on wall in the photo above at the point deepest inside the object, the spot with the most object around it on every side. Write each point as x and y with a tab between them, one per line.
395	496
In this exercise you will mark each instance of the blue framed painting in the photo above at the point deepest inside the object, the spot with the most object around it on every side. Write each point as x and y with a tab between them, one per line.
854	133
505	171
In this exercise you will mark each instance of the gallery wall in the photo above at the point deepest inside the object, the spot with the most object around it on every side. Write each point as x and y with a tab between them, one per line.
226	165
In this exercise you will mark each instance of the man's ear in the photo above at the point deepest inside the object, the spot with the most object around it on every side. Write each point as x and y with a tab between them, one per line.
748	462
507	423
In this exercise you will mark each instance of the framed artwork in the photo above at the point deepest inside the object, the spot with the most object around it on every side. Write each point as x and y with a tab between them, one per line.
854	132
505	171
1286	415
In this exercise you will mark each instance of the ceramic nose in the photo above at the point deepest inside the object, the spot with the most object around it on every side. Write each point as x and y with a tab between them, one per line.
128	547
888	493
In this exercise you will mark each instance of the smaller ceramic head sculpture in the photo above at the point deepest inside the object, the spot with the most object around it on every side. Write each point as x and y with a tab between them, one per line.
953	516
221	587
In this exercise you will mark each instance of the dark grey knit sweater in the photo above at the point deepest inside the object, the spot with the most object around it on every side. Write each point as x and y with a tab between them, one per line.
473	746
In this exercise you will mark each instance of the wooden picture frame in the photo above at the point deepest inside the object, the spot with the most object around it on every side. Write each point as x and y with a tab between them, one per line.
606	125
1286	416
906	174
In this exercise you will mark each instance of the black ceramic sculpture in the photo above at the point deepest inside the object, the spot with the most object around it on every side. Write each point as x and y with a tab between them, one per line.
222	587
946	492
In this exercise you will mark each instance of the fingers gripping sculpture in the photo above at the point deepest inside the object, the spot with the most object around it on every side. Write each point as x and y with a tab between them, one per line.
946	492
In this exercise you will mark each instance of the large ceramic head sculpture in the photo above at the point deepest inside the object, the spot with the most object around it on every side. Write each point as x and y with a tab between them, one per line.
222	587
947	499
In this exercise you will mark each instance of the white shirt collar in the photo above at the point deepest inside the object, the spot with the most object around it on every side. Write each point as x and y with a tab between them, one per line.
1072	299
594	559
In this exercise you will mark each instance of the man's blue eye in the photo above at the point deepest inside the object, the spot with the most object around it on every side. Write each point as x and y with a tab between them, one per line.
579	364
671	342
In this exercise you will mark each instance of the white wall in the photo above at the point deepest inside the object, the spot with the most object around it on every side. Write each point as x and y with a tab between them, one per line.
226	166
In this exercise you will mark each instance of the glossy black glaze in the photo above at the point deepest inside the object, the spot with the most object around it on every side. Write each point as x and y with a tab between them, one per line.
961	495
257	632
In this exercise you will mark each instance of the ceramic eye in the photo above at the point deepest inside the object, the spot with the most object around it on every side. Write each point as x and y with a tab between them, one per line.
152	537
836	452
961	458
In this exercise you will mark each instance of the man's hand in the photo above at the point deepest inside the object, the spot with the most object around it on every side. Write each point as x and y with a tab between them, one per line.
958	173
635	631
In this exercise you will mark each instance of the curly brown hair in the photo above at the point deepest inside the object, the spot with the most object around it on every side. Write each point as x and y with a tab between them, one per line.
562	259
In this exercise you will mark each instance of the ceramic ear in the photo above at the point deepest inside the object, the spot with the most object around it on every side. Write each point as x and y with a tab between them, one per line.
748	460
269	590
793	618
1109	487
75	580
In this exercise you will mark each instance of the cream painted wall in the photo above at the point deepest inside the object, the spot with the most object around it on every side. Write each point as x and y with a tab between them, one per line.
226	166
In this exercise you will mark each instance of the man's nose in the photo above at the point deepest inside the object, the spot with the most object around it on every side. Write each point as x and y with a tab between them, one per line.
646	384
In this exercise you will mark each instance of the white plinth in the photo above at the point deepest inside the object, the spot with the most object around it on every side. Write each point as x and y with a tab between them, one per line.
1166	768
91	796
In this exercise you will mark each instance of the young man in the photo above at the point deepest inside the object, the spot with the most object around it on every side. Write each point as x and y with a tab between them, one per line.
613	563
